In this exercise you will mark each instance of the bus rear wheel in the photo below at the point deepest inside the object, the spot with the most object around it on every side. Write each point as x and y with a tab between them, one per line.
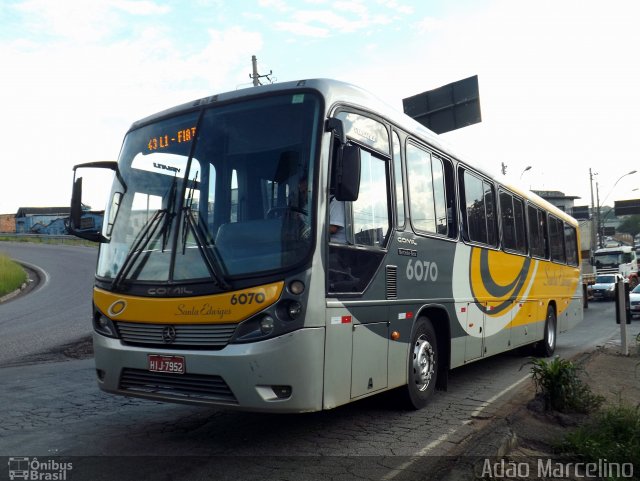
422	365
547	346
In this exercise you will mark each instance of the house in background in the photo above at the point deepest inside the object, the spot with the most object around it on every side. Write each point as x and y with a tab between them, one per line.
563	202
51	220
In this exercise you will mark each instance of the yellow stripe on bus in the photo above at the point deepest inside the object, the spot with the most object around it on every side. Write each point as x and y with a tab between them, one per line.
228	307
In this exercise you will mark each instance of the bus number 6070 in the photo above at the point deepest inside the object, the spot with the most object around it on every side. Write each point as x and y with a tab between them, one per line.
248	298
422	271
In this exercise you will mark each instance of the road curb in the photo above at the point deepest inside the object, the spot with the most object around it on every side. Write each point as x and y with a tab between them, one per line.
13	294
37	278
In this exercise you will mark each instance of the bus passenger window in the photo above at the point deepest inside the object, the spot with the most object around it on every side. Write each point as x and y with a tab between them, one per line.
370	211
429	208
571	245
367	224
479	200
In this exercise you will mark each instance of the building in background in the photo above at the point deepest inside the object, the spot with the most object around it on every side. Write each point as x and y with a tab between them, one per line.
559	199
50	220
7	223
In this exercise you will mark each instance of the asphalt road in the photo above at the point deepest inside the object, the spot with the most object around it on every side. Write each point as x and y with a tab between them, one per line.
58	311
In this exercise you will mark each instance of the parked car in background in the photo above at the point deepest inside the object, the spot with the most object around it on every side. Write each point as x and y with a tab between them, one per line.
604	288
634	301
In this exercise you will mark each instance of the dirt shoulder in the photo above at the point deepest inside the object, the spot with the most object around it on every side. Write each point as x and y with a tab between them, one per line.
525	435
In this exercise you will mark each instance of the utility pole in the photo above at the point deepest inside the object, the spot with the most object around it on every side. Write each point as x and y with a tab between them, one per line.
600	244
255	75
594	215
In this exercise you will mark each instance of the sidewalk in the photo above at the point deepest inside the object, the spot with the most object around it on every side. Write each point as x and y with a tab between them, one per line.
521	435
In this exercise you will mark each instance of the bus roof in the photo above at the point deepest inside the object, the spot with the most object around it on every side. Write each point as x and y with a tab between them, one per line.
335	92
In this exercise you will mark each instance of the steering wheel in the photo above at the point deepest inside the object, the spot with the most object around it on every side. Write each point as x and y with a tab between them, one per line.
278	212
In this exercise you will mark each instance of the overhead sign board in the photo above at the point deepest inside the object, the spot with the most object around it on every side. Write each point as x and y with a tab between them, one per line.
580	211
446	108
627	207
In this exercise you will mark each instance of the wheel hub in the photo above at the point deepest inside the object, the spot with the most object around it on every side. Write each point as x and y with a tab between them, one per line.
423	363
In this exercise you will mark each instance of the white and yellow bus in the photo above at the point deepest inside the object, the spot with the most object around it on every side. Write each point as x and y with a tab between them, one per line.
218	281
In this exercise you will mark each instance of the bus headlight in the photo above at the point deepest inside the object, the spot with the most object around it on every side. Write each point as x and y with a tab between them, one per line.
294	309
103	325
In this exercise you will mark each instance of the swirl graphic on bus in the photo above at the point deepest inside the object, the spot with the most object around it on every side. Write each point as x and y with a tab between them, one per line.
500	278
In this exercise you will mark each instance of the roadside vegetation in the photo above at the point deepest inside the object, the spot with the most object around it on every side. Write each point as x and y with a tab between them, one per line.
610	432
47	240
560	387
613	435
12	276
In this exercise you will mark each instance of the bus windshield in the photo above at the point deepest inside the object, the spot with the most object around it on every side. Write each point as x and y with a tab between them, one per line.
214	194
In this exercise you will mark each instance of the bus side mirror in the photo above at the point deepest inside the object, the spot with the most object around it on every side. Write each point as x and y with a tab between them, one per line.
91	228
348	173
346	164
76	205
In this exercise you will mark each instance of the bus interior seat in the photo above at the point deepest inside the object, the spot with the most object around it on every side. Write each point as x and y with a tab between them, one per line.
255	241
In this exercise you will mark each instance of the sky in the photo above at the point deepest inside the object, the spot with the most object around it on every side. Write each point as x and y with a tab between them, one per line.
559	80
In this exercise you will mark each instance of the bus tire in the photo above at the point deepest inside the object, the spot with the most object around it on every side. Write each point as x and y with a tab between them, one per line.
422	365
547	346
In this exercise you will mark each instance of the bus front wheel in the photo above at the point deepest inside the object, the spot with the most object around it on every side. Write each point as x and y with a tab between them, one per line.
422	365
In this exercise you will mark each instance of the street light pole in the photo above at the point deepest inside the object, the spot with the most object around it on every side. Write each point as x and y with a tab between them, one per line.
605	199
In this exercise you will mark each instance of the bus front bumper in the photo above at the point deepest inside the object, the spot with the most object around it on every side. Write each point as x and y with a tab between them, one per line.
283	374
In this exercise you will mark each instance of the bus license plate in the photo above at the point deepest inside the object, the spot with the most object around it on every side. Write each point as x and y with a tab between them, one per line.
170	364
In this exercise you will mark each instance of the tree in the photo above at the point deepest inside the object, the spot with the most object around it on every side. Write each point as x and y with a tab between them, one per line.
631	225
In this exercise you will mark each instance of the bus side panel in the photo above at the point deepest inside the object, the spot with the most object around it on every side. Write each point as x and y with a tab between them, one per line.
356	359
572	311
337	359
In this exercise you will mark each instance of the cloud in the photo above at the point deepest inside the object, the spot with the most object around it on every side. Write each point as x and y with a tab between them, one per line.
302	29
279	5
321	23
66	103
141	7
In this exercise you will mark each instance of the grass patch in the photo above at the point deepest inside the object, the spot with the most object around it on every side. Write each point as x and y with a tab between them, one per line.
559	385
12	275
52	240
613	435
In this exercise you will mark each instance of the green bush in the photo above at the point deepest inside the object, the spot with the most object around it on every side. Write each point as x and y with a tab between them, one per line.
558	383
11	275
614	435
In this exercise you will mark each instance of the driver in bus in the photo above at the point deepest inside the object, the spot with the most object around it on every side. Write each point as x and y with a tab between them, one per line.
337	221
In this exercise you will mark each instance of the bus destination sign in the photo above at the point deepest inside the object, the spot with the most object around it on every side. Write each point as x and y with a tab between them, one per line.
165	141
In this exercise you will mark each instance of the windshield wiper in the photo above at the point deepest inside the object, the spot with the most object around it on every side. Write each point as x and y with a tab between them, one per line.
166	228
209	256
202	239
148	232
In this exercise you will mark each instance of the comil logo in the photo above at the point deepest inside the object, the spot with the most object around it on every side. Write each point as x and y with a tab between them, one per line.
33	469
